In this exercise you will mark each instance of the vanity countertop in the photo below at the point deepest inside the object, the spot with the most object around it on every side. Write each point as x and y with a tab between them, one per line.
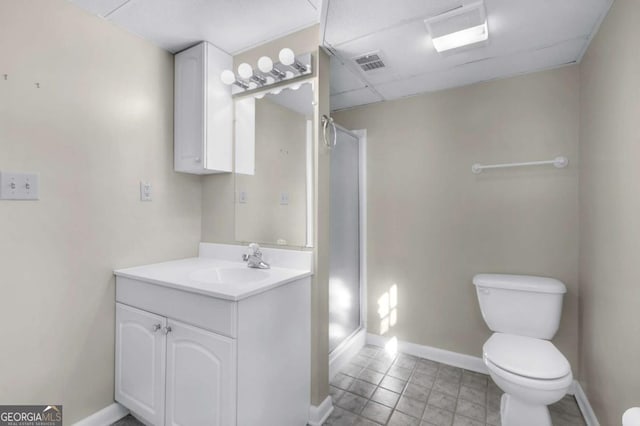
219	277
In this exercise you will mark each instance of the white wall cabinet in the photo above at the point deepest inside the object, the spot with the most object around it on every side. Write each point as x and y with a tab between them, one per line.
203	114
188	359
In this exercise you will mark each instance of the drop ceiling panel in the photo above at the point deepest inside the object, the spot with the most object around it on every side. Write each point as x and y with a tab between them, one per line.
353	98
99	7
231	25
343	79
486	70
350	19
521	32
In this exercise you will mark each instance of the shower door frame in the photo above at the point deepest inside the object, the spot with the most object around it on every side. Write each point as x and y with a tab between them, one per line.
356	340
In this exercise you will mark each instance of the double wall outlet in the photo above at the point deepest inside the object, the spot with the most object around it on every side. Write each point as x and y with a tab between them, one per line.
19	186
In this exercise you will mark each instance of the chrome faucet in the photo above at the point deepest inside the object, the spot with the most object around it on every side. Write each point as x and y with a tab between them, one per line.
254	260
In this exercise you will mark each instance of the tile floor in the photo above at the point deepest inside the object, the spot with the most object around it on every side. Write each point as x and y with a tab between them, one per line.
402	390
378	389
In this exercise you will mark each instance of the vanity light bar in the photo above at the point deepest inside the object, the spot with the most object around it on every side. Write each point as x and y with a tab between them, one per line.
247	78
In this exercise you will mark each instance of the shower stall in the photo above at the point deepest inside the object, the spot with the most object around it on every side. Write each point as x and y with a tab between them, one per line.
347	215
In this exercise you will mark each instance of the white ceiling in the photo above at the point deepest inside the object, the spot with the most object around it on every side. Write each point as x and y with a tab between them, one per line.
231	25
525	36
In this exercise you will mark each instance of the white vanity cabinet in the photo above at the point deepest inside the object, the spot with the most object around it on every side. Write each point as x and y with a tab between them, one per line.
168	372
195	350
203	111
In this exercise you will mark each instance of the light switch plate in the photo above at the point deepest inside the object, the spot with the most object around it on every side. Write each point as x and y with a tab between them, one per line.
242	197
19	186
284	199
145	191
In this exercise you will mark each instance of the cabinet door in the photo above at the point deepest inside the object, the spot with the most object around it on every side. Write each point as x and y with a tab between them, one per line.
140	363
189	120
201	377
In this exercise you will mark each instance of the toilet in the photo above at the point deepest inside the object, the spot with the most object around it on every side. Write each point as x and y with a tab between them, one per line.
524	314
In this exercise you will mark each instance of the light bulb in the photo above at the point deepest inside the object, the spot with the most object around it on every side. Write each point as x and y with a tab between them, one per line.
265	64
228	77
270	80
295	87
289	74
286	56
245	71
253	85
276	91
260	96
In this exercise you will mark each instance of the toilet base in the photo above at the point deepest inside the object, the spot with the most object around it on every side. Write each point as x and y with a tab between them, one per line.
515	412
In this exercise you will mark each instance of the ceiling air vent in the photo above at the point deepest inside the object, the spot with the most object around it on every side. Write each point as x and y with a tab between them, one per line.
370	62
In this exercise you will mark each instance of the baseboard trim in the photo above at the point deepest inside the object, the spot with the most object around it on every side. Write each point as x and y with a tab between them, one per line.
319	414
468	362
584	404
105	417
341	355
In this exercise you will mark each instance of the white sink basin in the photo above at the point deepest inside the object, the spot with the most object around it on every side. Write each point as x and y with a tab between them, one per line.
229	275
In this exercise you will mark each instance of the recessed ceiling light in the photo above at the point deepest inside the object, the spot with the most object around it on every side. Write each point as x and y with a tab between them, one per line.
461	38
464	26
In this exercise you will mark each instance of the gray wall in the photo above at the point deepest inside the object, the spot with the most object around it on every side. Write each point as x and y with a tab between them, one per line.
432	224
610	214
101	122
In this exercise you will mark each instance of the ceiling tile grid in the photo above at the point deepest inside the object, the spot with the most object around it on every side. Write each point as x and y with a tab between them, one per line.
524	36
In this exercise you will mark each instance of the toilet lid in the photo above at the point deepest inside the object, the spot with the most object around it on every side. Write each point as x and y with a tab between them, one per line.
526	356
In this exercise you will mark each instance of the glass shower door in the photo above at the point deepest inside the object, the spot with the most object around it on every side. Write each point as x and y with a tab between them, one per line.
344	272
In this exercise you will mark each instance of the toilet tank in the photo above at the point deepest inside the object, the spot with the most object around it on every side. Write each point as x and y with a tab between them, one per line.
520	304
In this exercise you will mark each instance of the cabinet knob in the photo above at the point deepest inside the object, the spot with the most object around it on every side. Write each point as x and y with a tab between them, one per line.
156	327
166	330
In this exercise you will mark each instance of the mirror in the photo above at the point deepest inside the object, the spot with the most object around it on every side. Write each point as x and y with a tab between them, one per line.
273	166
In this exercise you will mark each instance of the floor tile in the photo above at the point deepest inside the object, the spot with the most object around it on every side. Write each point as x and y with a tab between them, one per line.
340	417
444	386
419	392
476	380
442	400
393	384
408	363
342	381
422	379
465	421
385	397
401	419
362	388
411	406
370	351
361	360
335	393
351	402
371	376
437	416
376	412
471	410
381	366
474	395
399	372
351	370
361	421
416	392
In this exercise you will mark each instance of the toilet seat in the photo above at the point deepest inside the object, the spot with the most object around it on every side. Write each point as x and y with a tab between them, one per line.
528	382
525	357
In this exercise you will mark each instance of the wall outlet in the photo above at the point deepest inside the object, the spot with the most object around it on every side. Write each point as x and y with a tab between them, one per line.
145	191
19	186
